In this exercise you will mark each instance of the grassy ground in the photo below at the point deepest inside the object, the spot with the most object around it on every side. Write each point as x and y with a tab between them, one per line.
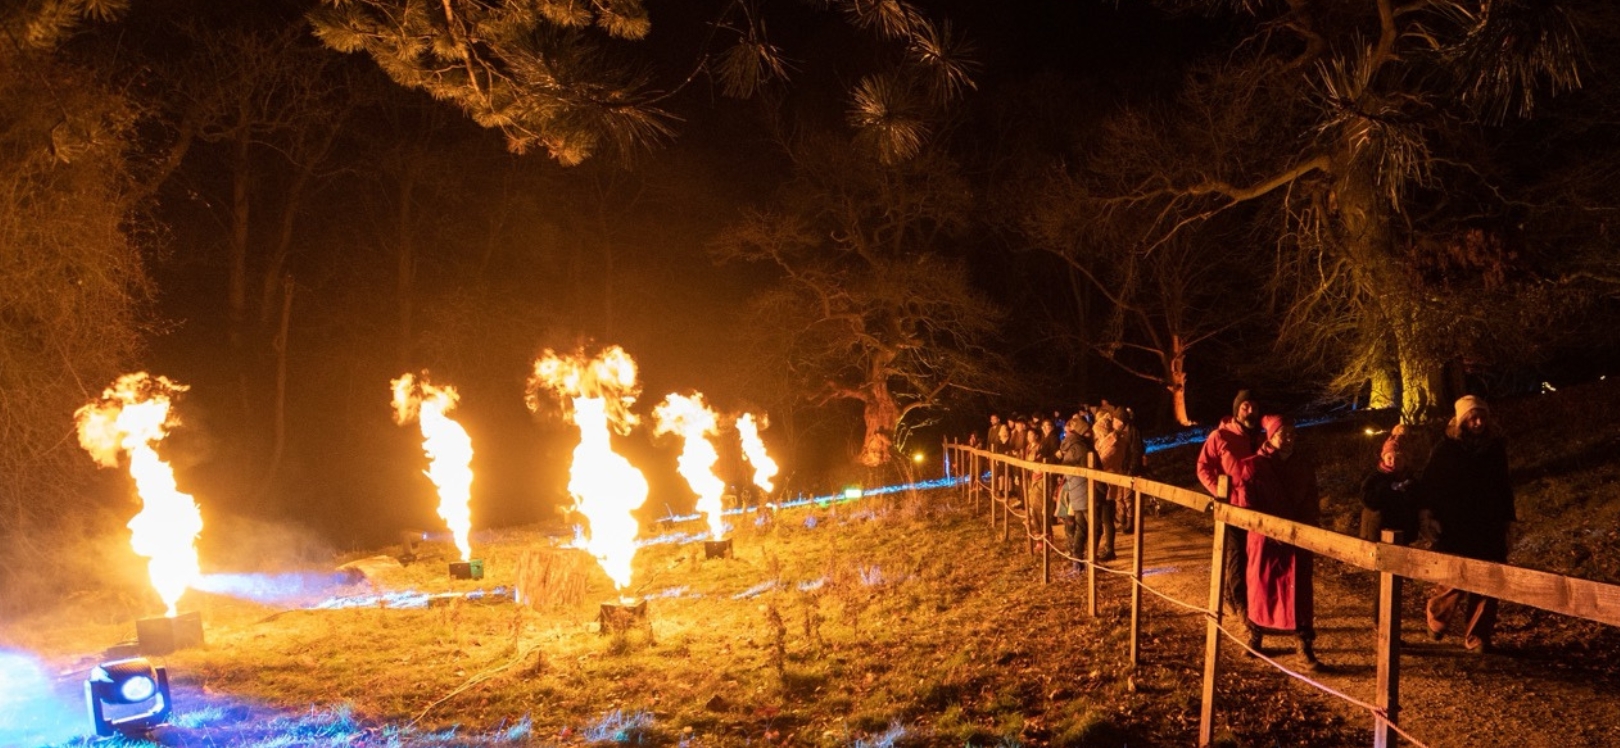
887	622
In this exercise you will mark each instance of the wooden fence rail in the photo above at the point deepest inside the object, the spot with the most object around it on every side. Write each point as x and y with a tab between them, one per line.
1570	596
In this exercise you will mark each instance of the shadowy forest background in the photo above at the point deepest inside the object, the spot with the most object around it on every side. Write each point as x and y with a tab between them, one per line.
875	220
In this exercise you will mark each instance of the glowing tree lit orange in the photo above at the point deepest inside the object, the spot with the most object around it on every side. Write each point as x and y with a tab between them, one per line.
131	417
764	467
692	419
597	393
448	447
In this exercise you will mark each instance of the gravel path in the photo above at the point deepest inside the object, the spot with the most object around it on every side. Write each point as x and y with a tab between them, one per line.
1551	683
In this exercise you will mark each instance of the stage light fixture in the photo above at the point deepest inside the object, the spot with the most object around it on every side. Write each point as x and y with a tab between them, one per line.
127	697
853	492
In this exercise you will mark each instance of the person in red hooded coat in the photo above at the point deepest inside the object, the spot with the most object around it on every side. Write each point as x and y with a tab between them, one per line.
1279	481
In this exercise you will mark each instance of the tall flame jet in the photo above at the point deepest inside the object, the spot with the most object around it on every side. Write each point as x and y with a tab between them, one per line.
692	419
448	447
131	417
597	393
764	467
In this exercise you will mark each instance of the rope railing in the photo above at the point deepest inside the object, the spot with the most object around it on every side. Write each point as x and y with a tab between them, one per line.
1560	595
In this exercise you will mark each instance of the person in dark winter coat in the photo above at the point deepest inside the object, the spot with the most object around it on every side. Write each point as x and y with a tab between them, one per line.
1074	451
1466	504
1387	500
1127	459
1237	437
1279	481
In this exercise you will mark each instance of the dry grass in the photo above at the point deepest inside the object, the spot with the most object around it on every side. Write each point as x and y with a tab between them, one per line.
859	624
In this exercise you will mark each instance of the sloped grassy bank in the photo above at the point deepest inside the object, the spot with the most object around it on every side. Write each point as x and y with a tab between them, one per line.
892	621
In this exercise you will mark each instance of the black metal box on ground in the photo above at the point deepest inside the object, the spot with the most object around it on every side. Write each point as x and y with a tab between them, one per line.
473	569
161	636
717	548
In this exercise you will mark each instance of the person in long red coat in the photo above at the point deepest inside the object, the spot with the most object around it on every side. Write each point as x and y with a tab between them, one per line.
1279	481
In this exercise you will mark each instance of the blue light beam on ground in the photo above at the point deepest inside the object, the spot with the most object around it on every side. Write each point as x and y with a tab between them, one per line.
300	588
34	709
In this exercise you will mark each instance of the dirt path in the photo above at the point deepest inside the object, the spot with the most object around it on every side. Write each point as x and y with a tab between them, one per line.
1552	683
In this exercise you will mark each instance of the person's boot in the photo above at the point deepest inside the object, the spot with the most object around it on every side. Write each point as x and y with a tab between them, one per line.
1307	648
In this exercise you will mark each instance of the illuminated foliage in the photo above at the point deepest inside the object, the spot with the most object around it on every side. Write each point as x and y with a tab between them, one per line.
555	74
74	308
1361	134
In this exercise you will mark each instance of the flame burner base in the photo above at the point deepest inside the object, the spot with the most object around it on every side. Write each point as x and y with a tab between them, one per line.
161	636
473	569
717	548
620	617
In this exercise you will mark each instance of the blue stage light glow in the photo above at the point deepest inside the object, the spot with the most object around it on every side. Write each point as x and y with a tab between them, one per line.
34	708
275	589
620	727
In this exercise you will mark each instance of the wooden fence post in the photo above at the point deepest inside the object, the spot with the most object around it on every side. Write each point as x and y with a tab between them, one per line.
1003	488
1091	537
976	476
1389	651
1046	529
1136	575
1212	634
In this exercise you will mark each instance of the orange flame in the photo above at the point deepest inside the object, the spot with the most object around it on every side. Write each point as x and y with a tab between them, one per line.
692	419
597	394
448	448
764	467
131	417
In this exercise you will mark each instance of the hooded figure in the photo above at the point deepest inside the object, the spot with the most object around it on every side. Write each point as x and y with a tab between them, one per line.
1281	482
1387	500
1466	504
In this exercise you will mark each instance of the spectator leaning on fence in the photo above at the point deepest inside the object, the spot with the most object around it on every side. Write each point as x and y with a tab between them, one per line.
1466	505
1237	437
1106	441
1280	481
1074	450
1129	452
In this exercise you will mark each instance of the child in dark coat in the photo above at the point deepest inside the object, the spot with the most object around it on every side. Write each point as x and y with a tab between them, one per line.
1387	502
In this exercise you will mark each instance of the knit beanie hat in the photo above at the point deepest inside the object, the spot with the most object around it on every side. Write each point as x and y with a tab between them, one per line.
1274	423
1243	396
1467	404
1391	445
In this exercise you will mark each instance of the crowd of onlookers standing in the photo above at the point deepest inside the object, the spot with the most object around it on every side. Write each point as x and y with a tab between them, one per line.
1102	436
1461	503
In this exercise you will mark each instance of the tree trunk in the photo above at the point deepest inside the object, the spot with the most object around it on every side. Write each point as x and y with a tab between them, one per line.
882	415
882	412
278	414
1386	388
236	290
405	278
1393	301
1176	376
